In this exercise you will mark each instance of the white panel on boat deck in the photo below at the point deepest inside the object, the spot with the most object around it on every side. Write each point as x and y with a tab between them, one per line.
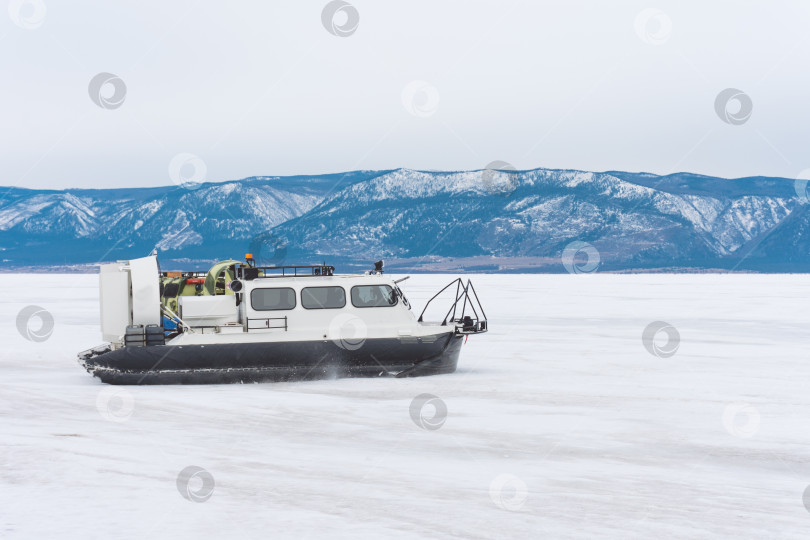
113	285
193	307
145	290
209	310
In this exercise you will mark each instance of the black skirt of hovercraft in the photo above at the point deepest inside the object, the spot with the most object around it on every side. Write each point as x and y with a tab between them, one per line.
275	361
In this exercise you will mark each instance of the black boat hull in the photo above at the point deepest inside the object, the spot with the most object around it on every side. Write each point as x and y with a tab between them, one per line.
275	361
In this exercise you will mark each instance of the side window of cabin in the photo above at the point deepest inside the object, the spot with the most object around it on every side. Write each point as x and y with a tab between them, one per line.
323	297
373	296
272	299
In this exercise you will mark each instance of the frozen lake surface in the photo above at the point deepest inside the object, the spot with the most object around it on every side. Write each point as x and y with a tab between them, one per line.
560	423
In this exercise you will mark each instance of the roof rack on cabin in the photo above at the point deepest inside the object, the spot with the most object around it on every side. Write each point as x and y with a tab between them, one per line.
194	274
252	272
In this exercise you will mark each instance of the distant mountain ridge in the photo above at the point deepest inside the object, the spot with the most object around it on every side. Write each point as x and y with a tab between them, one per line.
74	226
423	220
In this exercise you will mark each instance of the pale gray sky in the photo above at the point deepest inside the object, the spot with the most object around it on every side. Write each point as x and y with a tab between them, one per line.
263	88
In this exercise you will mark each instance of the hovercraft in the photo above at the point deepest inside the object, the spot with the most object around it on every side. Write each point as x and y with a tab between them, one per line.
241	323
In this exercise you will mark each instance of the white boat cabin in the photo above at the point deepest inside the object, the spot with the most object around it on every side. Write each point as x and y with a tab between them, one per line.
292	308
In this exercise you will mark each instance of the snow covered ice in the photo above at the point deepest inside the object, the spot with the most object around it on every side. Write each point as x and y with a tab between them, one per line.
559	424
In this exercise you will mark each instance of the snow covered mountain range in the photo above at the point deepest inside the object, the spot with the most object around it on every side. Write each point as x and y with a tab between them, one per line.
421	220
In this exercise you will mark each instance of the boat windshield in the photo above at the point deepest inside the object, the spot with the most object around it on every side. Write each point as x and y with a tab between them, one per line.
373	296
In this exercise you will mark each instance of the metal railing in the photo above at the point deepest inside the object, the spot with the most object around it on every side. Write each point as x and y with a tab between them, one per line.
194	274
469	323
253	272
266	324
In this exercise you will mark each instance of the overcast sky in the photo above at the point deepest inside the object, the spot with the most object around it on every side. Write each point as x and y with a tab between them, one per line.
282	88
